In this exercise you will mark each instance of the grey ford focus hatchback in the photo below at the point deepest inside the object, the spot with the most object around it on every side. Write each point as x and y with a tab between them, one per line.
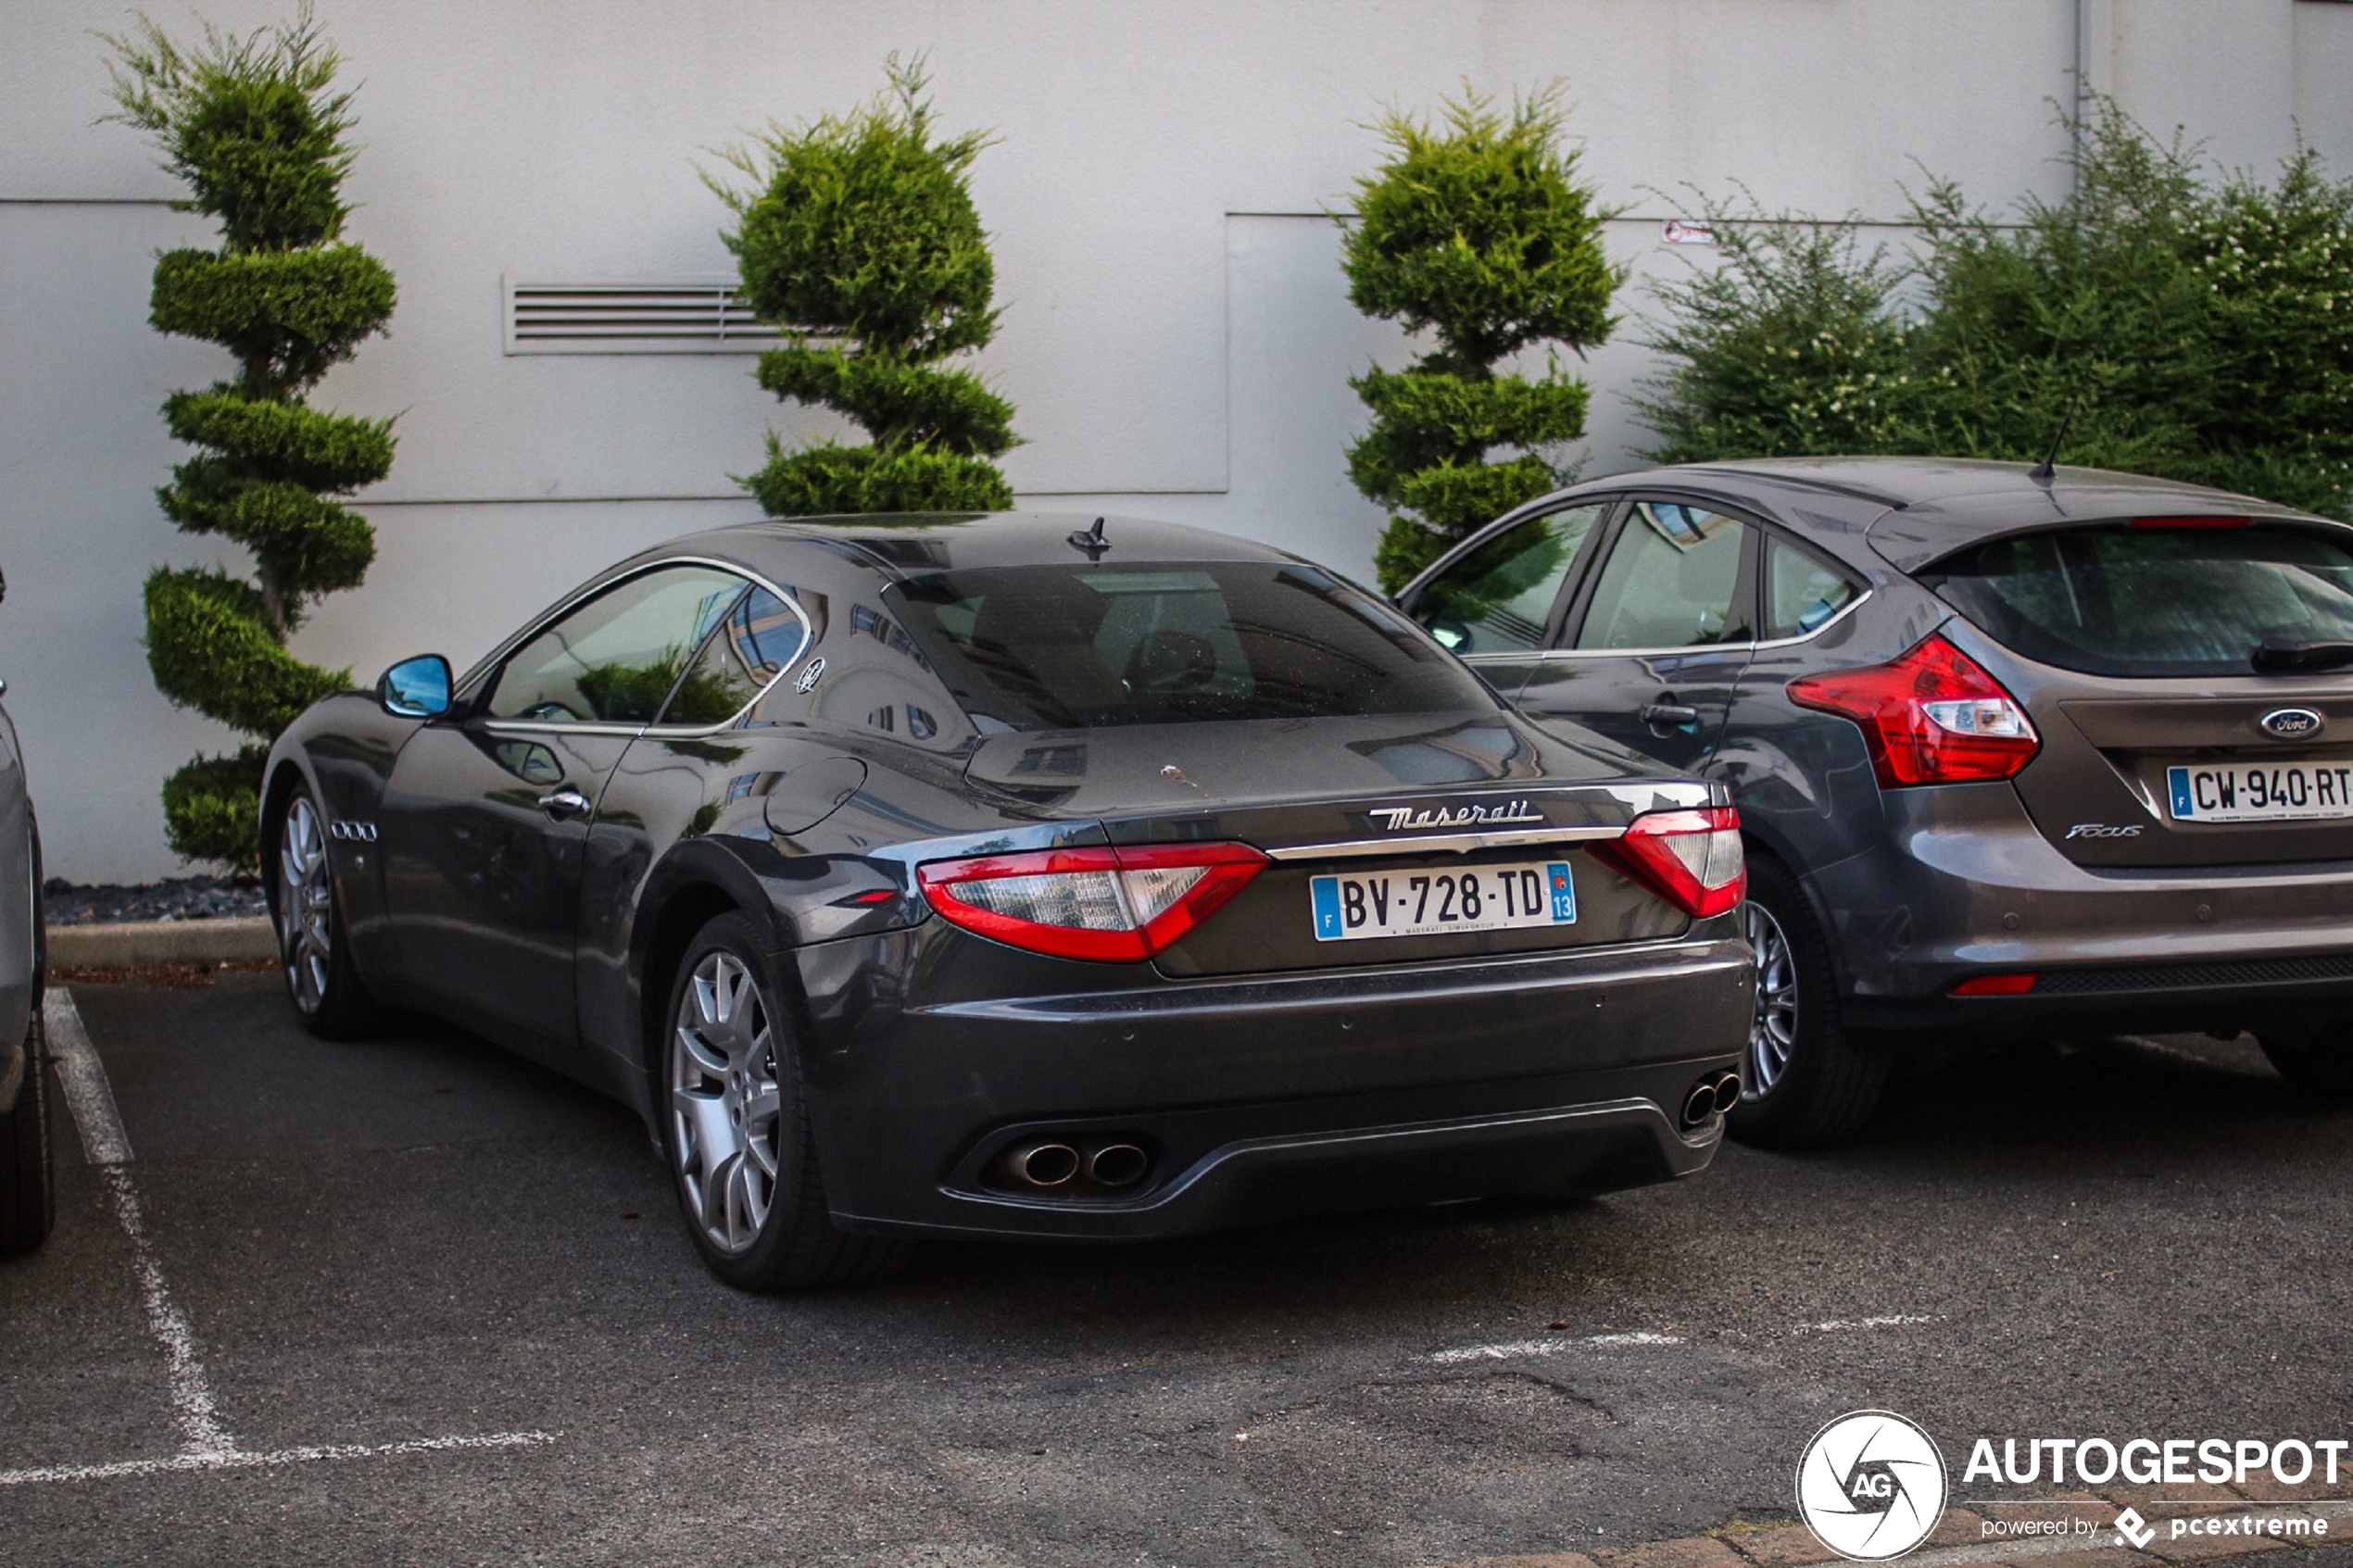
2015	751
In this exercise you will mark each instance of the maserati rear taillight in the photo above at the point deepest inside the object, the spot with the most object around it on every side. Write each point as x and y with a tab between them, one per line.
1112	905
1691	859
1931	717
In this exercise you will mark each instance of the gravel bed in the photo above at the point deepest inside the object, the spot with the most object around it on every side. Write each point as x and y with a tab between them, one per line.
178	898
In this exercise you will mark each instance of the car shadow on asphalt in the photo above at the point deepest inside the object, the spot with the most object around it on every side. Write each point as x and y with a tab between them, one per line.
2023	1119
2029	1121
2118	1105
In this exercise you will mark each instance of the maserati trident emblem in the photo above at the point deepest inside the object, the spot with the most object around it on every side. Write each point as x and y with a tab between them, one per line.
1405	819
2292	723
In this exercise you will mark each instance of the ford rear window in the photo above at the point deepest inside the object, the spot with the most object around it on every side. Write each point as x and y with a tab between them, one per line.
1096	645
2159	599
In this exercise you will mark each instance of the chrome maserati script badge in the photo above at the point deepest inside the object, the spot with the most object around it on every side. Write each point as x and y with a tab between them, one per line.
1401	819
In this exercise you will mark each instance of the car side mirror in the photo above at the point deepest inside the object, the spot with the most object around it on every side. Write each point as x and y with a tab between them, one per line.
415	688
1450	633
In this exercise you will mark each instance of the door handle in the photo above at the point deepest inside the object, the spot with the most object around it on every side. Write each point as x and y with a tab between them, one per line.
1661	715
565	802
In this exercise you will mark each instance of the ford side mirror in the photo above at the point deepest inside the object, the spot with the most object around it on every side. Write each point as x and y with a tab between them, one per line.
415	688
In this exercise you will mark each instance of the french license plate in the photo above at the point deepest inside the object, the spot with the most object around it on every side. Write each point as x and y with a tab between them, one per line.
2282	793
1349	908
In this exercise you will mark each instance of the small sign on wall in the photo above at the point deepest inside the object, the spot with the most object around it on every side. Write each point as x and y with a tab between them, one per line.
1684	231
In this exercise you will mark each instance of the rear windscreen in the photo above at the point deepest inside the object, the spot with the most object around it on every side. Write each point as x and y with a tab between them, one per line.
1082	647
2126	600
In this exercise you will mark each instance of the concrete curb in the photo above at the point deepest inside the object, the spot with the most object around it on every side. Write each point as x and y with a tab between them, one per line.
133	943
1959	1540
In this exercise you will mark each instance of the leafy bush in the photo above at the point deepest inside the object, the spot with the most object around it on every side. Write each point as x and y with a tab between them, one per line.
254	129
2199	326
1477	231
861	228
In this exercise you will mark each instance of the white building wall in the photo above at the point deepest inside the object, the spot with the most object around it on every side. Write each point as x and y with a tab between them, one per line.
1176	335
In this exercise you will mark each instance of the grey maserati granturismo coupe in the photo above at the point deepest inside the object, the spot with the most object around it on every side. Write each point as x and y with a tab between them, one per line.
2017	751
1023	876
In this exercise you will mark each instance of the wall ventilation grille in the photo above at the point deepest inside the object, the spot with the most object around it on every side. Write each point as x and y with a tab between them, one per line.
632	315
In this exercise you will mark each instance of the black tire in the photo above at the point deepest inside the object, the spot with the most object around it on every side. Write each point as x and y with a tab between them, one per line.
1805	1082
2317	1060
27	1158
326	990
728	1083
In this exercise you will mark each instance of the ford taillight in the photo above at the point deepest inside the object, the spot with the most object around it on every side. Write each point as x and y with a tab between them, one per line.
1691	859
1113	904
1931	717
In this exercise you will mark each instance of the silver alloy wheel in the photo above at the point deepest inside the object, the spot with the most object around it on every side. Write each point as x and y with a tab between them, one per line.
306	905
725	1110
1772	1033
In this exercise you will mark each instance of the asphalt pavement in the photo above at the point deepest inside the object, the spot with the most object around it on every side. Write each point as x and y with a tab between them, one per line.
414	1301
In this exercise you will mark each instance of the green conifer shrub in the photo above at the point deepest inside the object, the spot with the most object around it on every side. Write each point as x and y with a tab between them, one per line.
1478	230
2200	326
858	238
253	126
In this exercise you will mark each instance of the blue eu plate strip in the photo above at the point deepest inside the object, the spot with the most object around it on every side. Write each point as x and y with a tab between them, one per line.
2177	782
1324	891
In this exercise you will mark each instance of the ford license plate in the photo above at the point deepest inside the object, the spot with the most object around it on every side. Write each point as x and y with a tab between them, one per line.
2282	792
1421	903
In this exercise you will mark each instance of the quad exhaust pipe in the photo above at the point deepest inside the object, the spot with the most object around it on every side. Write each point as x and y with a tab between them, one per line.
1048	1166
1116	1165
1710	1098
1043	1165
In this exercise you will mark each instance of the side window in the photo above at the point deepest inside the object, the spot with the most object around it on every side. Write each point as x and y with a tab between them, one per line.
613	659
759	637
1669	582
1801	594
1497	598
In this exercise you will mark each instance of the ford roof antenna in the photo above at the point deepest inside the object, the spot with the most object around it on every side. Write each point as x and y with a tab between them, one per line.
2046	470
1091	540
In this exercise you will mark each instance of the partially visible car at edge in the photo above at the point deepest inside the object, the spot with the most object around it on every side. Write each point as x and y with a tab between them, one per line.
1003	875
2016	752
28	1188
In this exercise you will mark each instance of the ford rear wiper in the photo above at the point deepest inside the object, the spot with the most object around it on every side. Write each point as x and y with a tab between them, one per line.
2270	655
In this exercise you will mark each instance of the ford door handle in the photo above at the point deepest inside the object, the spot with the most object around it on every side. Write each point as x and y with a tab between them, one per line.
564	803
1661	715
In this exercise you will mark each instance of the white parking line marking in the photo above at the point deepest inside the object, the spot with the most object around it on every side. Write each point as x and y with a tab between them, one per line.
88	1095
1512	1350
1515	1349
205	1443
241	1459
1840	1326
91	1098
200	1425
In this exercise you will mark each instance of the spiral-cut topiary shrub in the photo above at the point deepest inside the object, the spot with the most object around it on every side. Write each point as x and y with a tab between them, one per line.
253	126
859	239
1478	230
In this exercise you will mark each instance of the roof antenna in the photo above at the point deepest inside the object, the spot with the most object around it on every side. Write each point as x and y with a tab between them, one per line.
2048	471
1091	541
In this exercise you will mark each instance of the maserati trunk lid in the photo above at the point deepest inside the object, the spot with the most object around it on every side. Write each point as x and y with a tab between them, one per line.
1391	838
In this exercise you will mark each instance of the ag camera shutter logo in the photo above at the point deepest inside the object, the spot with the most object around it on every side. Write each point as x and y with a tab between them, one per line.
1871	1485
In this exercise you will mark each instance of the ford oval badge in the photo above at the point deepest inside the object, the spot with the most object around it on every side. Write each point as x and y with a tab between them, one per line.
2292	723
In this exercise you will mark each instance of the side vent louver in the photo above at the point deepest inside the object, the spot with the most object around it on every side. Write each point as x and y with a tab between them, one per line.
642	316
